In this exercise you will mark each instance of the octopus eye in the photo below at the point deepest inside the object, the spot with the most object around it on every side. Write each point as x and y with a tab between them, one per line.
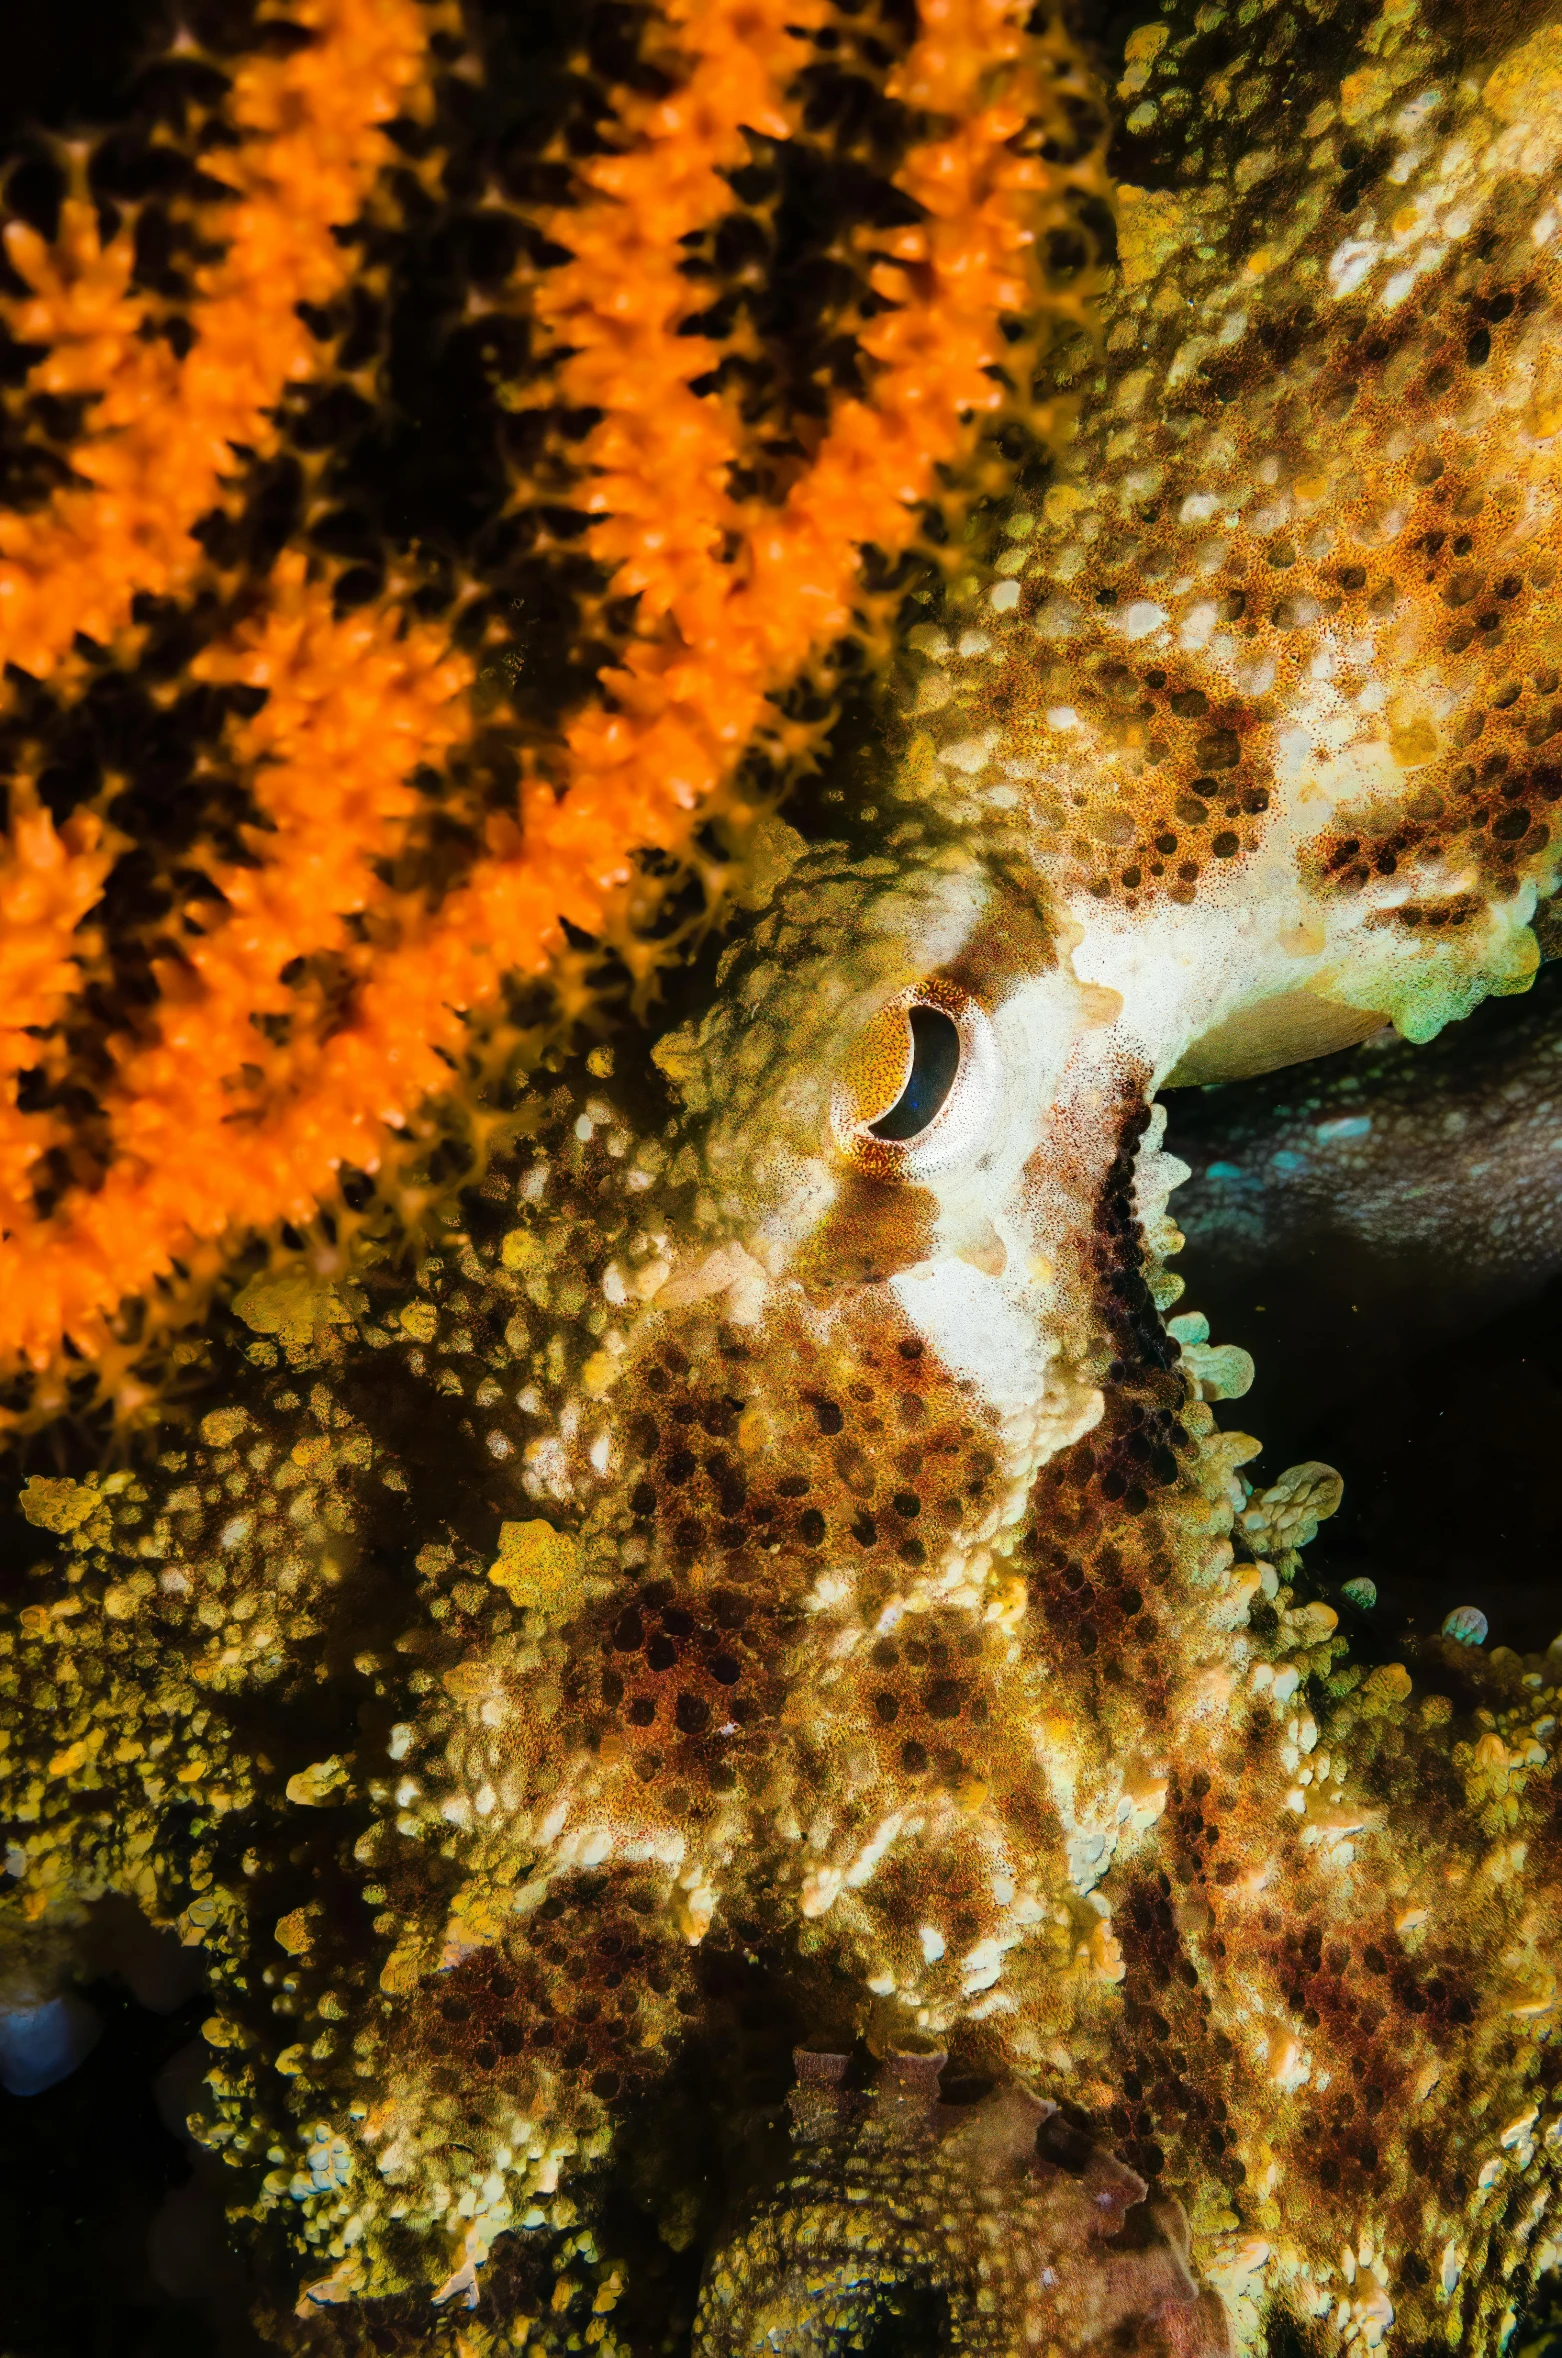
935	1061
918	1085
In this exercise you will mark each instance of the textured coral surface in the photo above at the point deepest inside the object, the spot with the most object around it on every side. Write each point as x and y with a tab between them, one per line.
723	1550
384	872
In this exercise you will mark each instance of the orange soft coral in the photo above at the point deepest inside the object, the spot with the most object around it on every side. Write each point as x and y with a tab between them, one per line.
212	1130
49	879
162	431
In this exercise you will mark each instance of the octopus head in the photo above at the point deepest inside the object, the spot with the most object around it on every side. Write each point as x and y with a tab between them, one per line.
918	1161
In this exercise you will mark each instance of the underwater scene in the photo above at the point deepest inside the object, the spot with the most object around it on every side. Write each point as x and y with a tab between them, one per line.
780	1233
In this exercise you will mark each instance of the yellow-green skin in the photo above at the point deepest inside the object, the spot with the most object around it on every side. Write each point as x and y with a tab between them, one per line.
739	1540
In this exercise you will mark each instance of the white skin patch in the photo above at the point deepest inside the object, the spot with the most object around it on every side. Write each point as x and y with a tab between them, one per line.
981	1328
991	1328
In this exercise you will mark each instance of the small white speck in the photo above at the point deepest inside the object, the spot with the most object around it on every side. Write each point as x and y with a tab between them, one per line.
1350	263
970	755
1415	111
1197	624
1344	1126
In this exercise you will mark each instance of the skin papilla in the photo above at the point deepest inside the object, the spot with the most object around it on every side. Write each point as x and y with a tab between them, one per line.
767	1574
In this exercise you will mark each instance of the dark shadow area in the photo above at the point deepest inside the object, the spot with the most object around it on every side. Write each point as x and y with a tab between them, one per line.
70	66
1402	1320
97	2191
913	2323
1449	1480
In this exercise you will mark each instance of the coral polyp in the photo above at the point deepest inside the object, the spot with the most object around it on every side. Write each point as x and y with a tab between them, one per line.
704	1535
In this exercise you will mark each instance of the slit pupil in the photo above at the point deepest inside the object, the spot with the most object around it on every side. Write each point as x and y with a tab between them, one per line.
935	1060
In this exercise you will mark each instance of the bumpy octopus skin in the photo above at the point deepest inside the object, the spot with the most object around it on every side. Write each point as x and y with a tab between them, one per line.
772	1570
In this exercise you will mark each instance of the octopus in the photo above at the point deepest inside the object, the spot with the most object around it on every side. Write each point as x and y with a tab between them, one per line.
742	1758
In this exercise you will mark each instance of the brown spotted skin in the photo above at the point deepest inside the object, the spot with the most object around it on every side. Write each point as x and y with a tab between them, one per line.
758	1582
936	1725
1294	582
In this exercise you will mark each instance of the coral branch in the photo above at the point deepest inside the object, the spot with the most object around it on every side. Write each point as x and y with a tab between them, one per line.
734	601
616	311
163	430
354	706
693	695
49	879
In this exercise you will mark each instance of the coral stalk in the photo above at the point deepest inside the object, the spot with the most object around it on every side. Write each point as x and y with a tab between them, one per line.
691	696
163	440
